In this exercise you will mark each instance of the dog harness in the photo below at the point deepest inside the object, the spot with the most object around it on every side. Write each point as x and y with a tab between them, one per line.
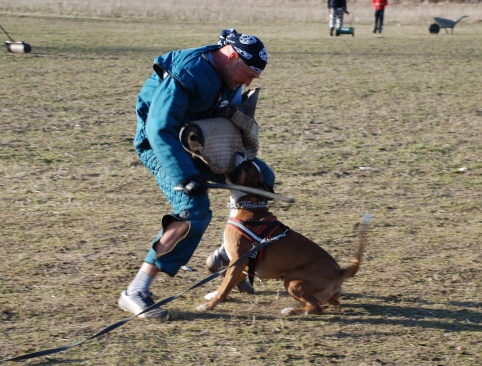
256	232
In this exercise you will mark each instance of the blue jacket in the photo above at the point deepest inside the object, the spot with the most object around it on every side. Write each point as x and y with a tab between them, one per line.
191	90
334	4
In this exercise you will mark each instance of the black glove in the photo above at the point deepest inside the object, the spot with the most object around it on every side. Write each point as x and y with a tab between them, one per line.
227	112
195	185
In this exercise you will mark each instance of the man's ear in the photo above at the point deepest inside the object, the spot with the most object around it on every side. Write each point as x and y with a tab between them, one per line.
233	57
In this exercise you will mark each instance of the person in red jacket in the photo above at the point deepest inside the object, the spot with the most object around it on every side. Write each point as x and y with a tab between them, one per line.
379	6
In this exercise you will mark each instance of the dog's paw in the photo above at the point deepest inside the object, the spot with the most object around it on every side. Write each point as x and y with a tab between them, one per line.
286	311
202	308
211	295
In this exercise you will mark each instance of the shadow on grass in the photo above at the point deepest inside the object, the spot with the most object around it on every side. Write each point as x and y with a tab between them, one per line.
55	361
417	317
384	313
387	312
450	321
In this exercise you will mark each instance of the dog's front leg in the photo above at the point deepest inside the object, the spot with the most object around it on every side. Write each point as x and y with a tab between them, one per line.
231	279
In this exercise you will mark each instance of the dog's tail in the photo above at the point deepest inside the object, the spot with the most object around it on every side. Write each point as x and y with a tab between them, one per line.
353	268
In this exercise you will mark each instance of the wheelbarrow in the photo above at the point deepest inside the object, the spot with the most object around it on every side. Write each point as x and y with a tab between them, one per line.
346	30
16	47
445	24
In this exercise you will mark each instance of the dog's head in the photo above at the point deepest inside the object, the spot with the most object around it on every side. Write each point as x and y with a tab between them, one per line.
246	173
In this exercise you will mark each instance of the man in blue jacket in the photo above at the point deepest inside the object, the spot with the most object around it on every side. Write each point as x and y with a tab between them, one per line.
186	85
337	9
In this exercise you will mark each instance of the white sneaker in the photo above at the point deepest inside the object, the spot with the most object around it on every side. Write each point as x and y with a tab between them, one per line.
138	302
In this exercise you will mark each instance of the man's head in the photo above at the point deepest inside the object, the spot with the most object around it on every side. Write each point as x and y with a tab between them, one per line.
246	58
249	48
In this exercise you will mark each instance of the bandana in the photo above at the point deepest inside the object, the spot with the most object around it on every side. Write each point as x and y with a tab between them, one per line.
249	48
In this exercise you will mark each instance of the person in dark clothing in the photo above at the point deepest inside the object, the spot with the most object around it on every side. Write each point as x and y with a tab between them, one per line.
337	9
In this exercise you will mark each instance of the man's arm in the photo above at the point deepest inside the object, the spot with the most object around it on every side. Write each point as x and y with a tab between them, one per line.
166	117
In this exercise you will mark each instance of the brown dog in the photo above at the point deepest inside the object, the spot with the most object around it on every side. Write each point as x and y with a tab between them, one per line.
309	273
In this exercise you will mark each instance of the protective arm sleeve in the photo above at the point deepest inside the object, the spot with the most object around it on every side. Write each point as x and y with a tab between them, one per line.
166	116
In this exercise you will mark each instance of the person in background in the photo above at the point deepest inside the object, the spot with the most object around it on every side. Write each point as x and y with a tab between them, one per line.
337	9
186	85
379	6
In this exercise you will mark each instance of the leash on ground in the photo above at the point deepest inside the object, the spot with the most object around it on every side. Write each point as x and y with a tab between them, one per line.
110	328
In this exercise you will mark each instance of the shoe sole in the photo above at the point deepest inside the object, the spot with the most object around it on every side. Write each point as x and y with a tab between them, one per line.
163	313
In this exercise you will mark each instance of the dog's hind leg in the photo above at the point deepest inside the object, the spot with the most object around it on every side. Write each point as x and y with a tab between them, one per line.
333	300
303	292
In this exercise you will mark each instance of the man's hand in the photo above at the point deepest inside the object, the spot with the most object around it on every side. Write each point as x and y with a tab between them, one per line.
194	186
228	111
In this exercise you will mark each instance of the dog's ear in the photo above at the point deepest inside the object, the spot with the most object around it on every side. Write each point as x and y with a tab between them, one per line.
239	158
252	174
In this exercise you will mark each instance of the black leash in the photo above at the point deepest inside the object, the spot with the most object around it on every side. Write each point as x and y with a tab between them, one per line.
110	328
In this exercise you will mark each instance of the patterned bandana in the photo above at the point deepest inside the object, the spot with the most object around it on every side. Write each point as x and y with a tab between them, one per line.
249	48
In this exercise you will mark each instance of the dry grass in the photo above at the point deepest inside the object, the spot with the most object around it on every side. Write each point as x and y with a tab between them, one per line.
78	210
247	11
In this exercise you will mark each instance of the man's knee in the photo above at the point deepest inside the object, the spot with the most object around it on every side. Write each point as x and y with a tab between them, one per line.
175	228
172	234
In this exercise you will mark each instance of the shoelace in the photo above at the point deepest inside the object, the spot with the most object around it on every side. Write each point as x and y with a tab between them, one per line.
145	297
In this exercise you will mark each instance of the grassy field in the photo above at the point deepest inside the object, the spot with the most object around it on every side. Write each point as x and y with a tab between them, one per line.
399	12
78	209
